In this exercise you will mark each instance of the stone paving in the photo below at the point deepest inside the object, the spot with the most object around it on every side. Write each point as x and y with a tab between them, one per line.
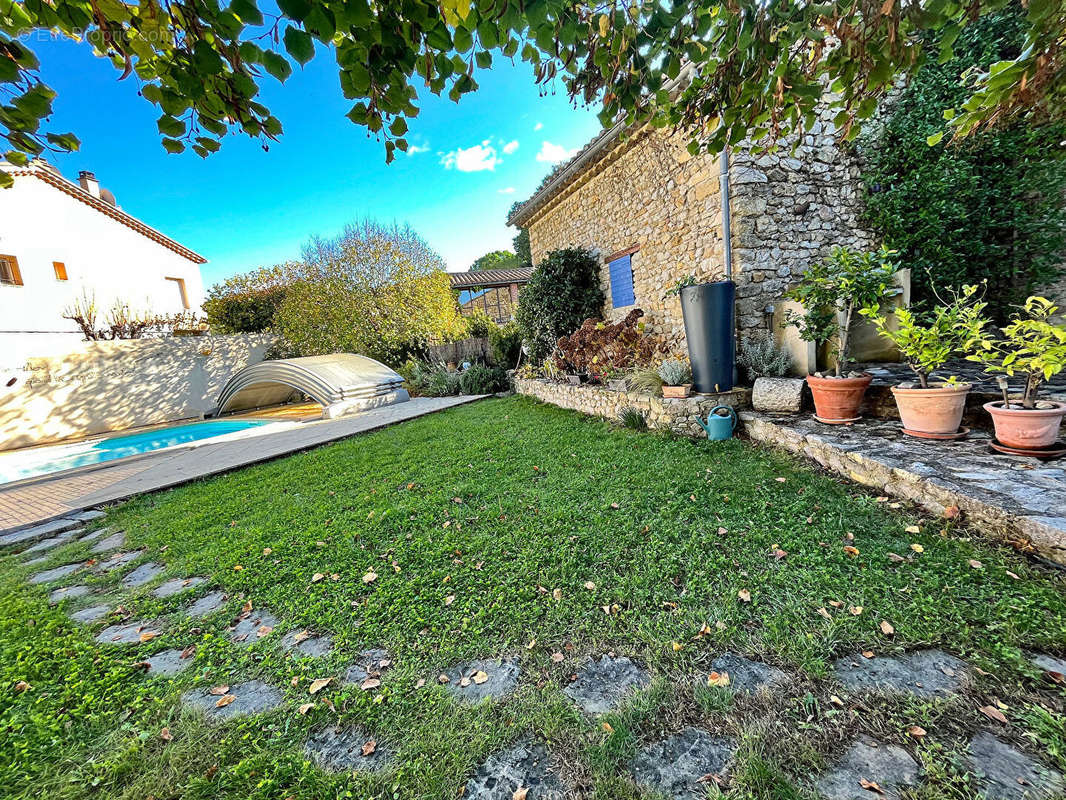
90	614
505	774
679	767
55	541
176	586
64	592
304	643
252	627
208	604
487	679
605	682
743	675
25	535
239	700
1023	500
112	542
116	561
922	673
142	575
54	574
168	662
369	665
1008	774
129	633
341	749
868	764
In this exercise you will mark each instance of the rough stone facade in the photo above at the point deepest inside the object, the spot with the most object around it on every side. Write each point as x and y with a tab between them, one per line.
646	191
677	415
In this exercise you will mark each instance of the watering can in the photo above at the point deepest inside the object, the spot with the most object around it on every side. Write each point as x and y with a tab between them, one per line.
719	426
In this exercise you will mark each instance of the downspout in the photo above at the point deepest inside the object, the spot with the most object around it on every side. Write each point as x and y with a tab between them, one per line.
727	226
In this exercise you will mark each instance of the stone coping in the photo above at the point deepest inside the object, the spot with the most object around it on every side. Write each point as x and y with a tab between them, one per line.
1022	500
662	413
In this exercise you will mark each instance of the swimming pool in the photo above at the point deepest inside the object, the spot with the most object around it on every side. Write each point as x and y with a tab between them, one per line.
44	460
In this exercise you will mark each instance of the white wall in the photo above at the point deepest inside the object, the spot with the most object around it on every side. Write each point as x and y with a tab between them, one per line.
40	224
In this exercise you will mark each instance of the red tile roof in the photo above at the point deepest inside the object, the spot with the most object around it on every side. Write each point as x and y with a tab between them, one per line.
52	177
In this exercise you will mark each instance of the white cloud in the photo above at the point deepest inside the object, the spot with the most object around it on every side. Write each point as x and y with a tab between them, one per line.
510	147
506	190
538	126
554	153
472	159
415	149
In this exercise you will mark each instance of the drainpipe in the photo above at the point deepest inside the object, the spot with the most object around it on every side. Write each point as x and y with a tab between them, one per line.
727	235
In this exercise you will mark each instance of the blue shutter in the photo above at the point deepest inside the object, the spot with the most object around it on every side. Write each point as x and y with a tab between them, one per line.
621	270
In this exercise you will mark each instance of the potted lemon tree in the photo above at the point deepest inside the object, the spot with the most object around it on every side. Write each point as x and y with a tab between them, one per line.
832	292
1034	347
933	408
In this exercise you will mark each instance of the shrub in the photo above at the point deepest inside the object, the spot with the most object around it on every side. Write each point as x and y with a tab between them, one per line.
989	207
607	349
646	379
249	303
563	291
633	418
478	324
506	343
481	379
760	357
675	373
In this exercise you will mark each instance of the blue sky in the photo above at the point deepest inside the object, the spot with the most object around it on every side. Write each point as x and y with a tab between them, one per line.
243	207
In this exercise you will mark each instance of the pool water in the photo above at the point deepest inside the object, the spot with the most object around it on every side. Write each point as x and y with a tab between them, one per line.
44	460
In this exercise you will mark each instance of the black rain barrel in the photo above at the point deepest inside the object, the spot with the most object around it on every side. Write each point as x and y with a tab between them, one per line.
710	327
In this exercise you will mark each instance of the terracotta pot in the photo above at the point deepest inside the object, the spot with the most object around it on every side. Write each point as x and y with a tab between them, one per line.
1026	428
837	400
937	409
677	391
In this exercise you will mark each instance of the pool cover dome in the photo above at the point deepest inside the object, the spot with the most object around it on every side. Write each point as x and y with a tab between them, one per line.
341	382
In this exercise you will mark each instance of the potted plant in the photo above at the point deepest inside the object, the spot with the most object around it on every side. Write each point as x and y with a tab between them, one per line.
1035	348
832	291
932	409
677	378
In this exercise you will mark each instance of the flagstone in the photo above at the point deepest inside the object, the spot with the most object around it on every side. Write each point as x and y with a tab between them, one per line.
1005	773
142	574
168	662
252	628
889	767
368	664
250	697
504	775
208	604
64	592
922	673
342	749
484	679
116	561
112	542
128	633
55	573
745	676
605	682
90	614
679	766
176	586
307	644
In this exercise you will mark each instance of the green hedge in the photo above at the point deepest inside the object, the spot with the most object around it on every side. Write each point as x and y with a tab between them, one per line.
243	312
563	292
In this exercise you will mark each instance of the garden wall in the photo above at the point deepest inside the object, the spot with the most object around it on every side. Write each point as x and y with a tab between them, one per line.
676	415
104	386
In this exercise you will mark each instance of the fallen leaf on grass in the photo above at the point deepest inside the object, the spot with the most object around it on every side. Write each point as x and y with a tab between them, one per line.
614	505
166	735
590	585
825	613
718	679
607	727
917	548
973	562
744	595
677	646
851	550
442	679
317	577
449	599
896	558
480	677
218	690
305	708
420	683
147	636
886	628
557	658
557	594
867	653
225	700
1012	575
993	713
1055	677
917	731
836	604
318	685
369	683
301	636
369	748
855	610
836	701
520	793
370	577
952	512
22	686
267	551
188	651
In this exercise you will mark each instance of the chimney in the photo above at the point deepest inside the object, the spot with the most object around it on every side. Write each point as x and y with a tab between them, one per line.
89	183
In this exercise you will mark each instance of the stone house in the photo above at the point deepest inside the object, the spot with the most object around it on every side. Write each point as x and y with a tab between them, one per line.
653	214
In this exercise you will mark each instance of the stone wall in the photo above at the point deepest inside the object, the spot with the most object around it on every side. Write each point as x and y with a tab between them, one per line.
105	386
788	209
677	415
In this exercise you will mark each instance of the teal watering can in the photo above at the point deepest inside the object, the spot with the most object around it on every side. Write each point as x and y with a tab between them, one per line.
719	426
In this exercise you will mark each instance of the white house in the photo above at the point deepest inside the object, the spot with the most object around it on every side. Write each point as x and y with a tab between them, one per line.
61	241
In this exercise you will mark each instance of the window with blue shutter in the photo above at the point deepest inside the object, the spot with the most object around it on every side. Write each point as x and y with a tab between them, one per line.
621	272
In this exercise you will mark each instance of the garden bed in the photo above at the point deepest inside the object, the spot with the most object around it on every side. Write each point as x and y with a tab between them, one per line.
677	415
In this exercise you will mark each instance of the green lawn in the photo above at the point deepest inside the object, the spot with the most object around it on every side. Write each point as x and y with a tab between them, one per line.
498	505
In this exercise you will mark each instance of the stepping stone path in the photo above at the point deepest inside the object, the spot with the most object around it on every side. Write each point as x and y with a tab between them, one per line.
68	591
888	766
344	749
480	680
92	537
169	662
251	697
90	614
128	633
112	542
1009	774
142	574
368	665
46	529
504	774
745	676
48	544
176	586
39	560
251	626
1049	665
306	644
676	766
55	573
923	673
208	604
117	560
605	683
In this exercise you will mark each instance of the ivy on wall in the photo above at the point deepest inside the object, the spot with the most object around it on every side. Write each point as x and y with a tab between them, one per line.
992	206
